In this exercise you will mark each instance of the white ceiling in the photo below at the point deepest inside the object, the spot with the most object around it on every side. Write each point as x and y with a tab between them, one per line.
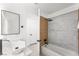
47	8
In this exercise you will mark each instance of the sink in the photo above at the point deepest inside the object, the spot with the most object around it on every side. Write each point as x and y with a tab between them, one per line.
22	51
15	48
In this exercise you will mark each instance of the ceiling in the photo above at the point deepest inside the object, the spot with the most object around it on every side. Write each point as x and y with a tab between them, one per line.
47	8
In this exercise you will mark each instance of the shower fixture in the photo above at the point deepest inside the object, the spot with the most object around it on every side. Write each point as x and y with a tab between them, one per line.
49	19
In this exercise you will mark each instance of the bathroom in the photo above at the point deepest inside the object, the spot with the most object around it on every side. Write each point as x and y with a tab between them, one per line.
39	29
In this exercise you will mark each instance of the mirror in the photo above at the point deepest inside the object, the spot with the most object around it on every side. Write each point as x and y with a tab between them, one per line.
10	23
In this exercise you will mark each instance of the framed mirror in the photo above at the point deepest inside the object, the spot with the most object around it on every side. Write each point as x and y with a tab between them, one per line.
10	23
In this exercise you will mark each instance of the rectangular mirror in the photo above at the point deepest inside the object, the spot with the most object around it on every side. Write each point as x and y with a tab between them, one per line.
10	23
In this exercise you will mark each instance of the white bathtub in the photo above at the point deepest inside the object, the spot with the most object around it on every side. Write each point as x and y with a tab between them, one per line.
54	50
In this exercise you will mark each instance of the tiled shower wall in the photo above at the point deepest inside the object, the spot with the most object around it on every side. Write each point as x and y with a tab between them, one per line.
63	30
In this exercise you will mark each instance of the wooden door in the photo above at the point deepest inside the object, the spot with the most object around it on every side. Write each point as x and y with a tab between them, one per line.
43	30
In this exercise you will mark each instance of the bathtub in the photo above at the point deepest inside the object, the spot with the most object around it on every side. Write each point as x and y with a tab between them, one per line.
54	50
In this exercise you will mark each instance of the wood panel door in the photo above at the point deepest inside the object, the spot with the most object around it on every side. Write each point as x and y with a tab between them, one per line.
43	30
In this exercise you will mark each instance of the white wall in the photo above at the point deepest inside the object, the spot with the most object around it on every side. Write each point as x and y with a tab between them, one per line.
28	18
63	30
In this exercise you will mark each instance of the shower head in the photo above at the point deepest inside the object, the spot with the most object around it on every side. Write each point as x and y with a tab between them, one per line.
49	19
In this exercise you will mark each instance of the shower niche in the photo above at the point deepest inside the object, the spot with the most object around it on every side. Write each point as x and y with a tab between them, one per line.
10	23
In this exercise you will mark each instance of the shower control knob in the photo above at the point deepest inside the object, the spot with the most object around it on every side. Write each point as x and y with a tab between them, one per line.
38	40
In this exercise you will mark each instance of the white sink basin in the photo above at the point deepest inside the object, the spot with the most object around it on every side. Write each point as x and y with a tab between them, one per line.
15	48
22	51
